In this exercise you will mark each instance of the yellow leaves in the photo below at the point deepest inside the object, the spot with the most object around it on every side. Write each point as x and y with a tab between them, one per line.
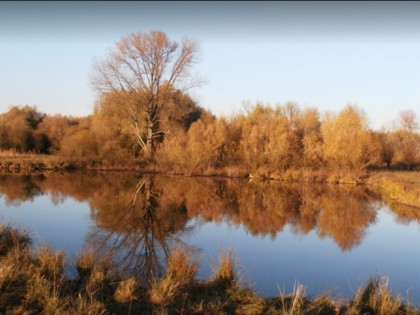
79	140
143	70
312	150
206	144
269	139
348	143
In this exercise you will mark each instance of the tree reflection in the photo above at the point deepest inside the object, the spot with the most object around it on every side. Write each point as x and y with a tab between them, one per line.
345	215
139	218
405	214
17	188
134	228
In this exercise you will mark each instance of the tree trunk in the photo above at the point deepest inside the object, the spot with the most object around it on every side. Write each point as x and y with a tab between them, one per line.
149	149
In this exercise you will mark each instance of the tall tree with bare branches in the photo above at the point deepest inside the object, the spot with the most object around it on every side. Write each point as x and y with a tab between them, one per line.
144	69
408	120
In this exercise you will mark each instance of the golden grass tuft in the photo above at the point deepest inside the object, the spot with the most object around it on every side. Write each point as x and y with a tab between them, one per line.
163	291
295	303
11	238
126	291
85	264
375	298
86	306
225	274
50	264
180	273
181	266
46	282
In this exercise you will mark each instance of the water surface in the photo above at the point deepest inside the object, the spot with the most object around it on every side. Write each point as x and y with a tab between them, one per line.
324	236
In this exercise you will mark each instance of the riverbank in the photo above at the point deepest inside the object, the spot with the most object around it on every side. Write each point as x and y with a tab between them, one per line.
28	163
33	281
398	187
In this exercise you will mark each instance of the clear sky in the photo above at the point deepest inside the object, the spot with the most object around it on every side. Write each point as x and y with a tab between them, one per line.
321	54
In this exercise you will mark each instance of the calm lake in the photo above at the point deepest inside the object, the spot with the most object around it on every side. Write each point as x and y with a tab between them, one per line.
327	237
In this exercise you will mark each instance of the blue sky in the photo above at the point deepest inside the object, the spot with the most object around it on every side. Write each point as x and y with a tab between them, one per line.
321	54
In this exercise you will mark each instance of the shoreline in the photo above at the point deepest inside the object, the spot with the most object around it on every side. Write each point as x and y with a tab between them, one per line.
396	186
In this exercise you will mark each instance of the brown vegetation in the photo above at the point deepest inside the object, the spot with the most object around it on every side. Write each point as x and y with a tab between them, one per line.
142	72
266	142
398	188
143	117
33	282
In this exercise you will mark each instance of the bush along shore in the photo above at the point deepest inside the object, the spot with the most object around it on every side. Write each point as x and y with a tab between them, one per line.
33	281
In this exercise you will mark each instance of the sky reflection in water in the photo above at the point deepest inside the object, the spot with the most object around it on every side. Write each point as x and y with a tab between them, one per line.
326	237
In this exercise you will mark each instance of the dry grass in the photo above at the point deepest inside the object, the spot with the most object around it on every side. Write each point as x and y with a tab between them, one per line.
180	273
225	274
399	187
294	304
15	154
376	298
13	162
33	282
181	266
164	291
11	238
126	291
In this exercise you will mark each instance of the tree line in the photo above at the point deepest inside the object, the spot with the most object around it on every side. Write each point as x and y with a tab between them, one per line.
281	137
143	112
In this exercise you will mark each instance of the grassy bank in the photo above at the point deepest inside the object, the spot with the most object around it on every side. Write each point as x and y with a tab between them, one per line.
15	163
33	282
397	187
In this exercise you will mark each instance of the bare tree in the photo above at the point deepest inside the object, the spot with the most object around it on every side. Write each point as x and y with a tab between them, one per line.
408	120
143	70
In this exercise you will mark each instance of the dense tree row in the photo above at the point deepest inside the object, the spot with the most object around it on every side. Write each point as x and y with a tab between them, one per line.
287	137
281	137
143	112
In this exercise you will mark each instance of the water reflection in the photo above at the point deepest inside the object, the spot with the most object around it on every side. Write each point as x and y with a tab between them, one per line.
139	218
135	227
18	189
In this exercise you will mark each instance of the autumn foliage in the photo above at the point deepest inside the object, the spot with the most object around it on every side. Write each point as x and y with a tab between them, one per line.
265	137
143	113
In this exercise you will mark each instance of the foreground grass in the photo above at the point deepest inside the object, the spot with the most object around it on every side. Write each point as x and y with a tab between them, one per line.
33	282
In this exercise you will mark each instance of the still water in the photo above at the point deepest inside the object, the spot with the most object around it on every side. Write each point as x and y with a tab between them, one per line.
323	236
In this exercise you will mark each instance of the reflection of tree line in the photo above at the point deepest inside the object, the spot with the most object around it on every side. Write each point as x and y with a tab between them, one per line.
266	208
138	218
17	189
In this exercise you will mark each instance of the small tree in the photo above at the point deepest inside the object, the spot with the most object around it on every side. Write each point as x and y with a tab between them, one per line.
17	127
144	69
408	120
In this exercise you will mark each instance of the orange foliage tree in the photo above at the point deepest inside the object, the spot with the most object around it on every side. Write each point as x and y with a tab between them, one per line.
348	143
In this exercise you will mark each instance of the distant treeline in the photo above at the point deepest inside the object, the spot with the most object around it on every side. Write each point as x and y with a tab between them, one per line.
280	137
144	114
